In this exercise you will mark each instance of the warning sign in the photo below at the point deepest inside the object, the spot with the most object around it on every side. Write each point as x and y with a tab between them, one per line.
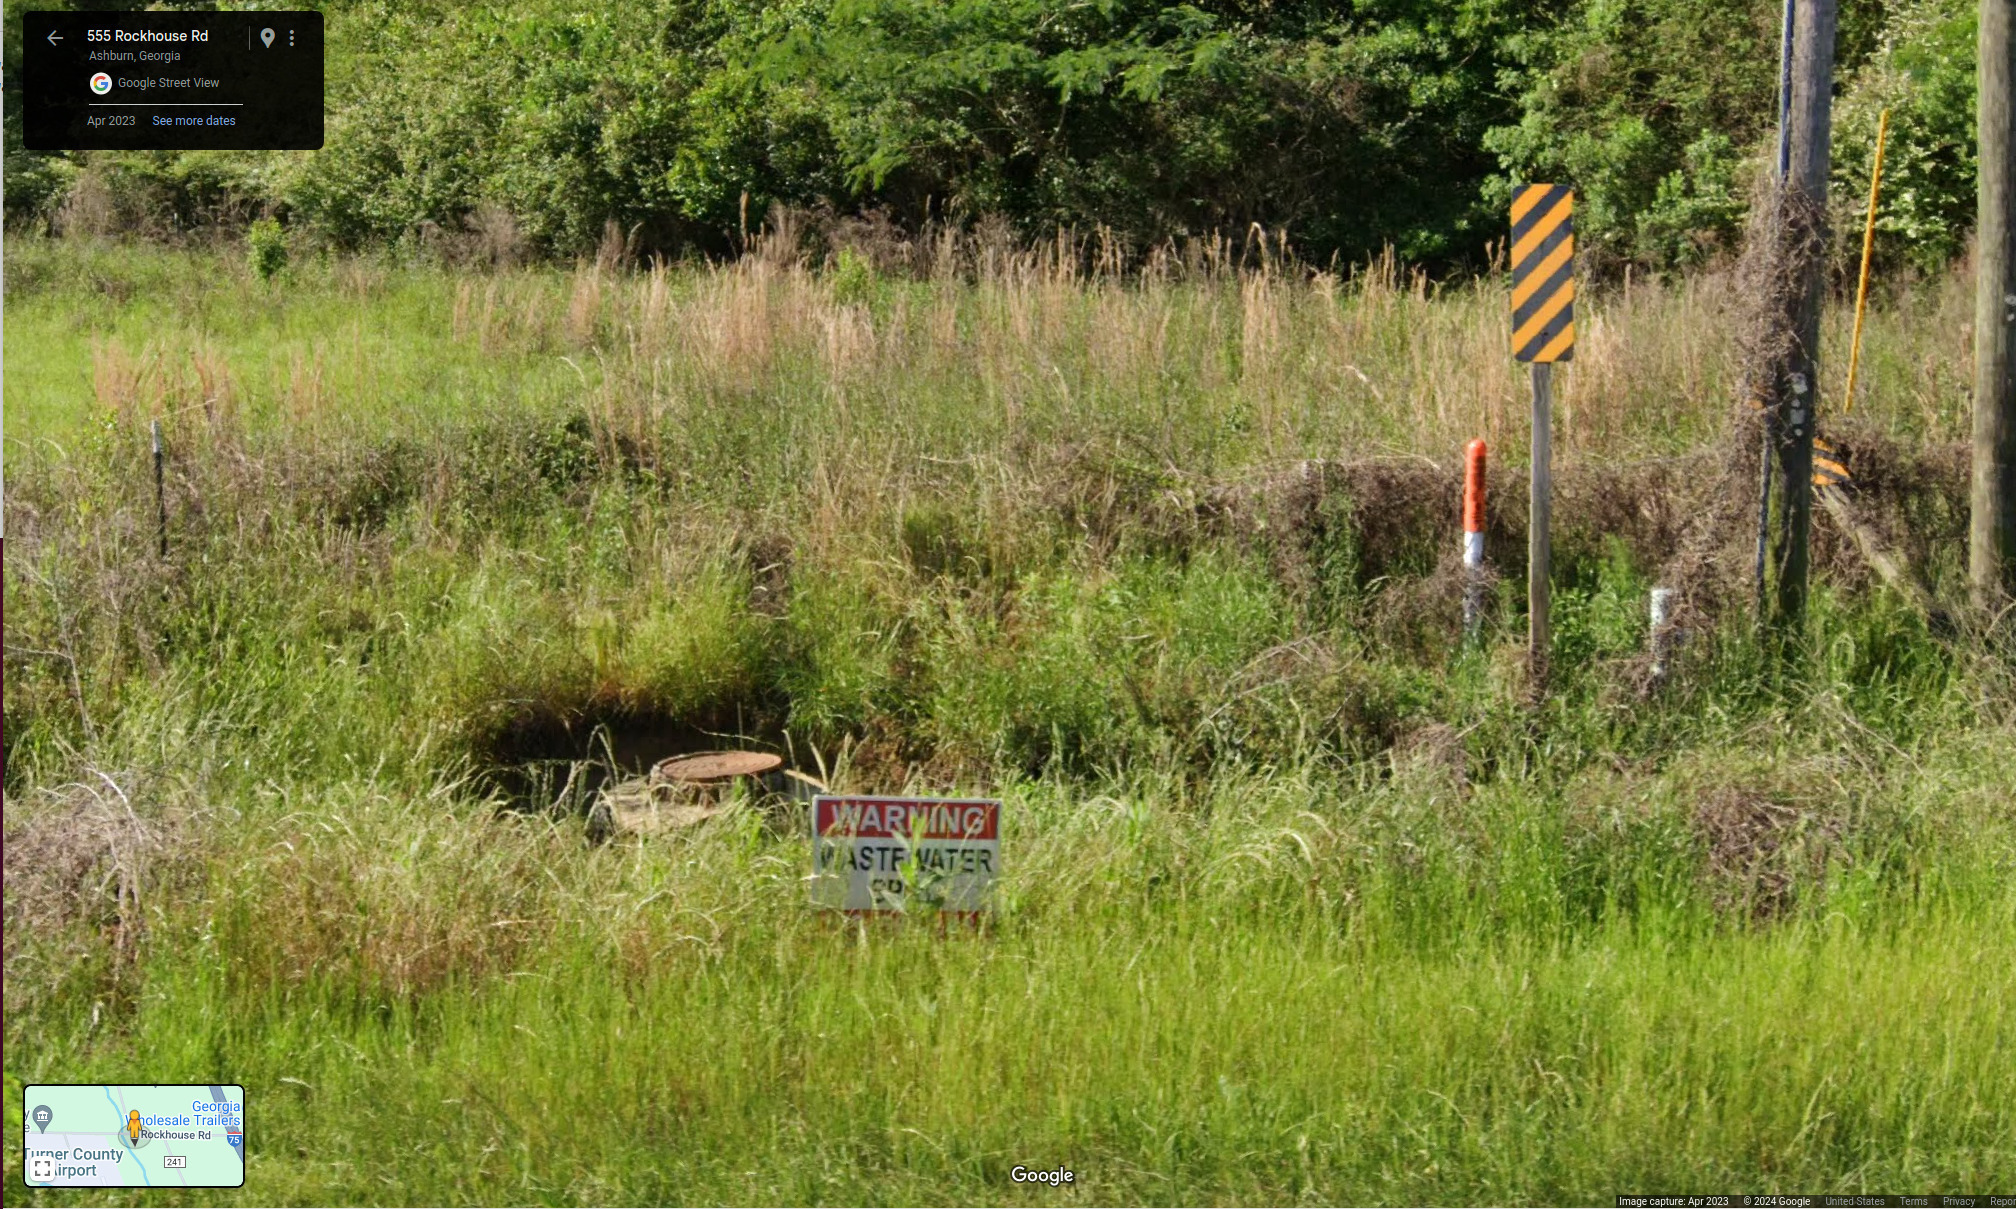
905	854
1543	274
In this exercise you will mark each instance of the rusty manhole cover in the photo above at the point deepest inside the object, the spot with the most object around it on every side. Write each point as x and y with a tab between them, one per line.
715	767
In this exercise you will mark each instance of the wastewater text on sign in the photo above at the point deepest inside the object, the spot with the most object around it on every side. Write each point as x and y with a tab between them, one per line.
905	854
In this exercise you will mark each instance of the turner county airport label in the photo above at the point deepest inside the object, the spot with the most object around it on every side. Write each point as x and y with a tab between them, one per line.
905	854
133	1135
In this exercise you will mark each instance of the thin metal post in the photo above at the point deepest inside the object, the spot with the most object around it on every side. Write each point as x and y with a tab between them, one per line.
160	492
1765	444
1785	91
1539	545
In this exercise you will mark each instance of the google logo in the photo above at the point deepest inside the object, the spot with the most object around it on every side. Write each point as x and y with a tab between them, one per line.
101	83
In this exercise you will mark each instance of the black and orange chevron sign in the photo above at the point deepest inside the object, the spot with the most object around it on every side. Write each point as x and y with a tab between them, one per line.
1830	468
1543	273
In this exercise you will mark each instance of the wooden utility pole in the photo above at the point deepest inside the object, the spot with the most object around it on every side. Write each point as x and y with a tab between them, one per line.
1766	393
1992	529
1802	229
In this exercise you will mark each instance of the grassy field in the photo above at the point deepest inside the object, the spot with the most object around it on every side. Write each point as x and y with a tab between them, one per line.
1303	901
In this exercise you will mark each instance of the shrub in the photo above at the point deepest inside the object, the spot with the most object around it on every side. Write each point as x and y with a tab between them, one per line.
853	278
1923	73
266	245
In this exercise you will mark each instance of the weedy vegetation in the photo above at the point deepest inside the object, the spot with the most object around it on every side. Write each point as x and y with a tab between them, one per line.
1303	900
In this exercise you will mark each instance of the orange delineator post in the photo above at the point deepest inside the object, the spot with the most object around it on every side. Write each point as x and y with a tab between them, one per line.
1473	504
1473	535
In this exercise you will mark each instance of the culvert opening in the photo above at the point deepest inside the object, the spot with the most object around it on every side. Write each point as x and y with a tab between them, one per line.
561	762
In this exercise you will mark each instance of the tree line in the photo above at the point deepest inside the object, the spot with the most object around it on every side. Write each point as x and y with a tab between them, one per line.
542	125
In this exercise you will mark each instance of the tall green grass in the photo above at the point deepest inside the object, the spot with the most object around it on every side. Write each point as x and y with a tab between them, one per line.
1231	1001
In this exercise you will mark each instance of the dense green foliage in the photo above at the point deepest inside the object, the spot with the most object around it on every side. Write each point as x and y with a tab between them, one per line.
1608	98
1923	72
1157	119
537	126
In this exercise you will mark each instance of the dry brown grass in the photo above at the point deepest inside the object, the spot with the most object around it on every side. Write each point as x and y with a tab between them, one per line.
162	380
86	862
1212	345
396	898
584	306
1762	849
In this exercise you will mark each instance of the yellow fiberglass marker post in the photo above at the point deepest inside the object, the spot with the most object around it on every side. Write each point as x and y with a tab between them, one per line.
1868	242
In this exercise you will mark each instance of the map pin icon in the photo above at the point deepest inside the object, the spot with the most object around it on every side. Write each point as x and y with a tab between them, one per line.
42	1117
266	36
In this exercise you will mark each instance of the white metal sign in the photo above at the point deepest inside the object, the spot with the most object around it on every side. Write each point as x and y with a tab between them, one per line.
896	854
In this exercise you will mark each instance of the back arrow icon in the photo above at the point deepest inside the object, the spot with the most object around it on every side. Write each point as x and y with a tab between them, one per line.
54	37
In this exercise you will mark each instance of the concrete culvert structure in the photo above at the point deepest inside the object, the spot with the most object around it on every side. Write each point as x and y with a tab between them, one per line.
685	790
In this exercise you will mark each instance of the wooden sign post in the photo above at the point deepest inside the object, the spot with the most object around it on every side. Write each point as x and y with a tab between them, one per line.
1543	332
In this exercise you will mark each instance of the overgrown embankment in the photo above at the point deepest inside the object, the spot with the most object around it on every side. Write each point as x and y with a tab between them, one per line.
1301	898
